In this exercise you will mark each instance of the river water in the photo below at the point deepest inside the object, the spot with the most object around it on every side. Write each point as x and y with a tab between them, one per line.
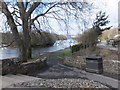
58	45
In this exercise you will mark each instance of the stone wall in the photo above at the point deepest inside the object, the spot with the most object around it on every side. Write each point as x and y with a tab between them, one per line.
77	61
9	65
13	66
109	66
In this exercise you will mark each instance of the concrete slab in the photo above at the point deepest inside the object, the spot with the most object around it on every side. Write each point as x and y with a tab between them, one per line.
10	79
22	77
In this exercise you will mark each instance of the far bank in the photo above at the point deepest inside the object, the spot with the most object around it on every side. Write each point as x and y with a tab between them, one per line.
41	39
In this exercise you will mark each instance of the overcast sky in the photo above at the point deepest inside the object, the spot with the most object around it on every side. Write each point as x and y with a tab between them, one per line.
109	6
111	9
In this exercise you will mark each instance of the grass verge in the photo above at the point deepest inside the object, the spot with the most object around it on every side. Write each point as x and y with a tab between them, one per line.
62	54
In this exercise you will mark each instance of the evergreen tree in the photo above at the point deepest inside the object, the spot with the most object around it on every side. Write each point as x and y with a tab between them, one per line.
100	21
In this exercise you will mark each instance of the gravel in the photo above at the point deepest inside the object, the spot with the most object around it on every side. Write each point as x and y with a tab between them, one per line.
62	83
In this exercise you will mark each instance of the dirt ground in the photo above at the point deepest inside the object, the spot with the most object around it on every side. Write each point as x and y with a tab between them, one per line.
109	54
106	54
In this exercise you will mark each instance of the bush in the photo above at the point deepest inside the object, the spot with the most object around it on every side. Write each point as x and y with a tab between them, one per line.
107	41
89	38
77	47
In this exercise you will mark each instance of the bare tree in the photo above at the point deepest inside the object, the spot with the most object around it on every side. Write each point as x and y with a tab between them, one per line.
22	13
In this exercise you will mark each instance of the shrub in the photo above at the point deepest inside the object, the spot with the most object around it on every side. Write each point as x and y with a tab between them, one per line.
107	41
89	38
77	47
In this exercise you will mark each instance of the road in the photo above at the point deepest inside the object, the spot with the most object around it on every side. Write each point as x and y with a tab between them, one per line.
103	45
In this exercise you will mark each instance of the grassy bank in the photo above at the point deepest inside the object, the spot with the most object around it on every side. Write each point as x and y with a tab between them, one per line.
62	54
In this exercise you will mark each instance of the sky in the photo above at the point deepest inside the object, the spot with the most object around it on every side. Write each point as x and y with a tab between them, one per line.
111	9
109	6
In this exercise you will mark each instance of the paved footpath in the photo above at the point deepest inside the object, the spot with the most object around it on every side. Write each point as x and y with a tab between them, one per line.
57	70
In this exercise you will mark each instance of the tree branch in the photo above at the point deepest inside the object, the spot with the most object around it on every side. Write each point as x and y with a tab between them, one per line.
11	23
21	9
8	44
43	13
18	22
32	8
26	5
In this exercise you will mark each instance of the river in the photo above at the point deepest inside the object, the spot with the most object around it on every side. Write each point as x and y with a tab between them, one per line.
6	52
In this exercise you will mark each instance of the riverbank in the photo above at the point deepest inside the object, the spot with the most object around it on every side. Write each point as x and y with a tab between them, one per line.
13	52
41	39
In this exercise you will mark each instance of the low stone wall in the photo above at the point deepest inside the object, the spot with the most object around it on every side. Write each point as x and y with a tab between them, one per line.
109	66
9	65
13	66
77	61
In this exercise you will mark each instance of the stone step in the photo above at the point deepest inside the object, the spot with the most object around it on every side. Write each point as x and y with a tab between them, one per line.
10	79
22	77
7	81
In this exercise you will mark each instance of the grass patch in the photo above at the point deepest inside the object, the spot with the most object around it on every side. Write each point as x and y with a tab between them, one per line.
62	54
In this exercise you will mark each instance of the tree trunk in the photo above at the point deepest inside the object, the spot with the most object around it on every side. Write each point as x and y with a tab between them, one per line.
22	53
29	48
29	53
27	38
